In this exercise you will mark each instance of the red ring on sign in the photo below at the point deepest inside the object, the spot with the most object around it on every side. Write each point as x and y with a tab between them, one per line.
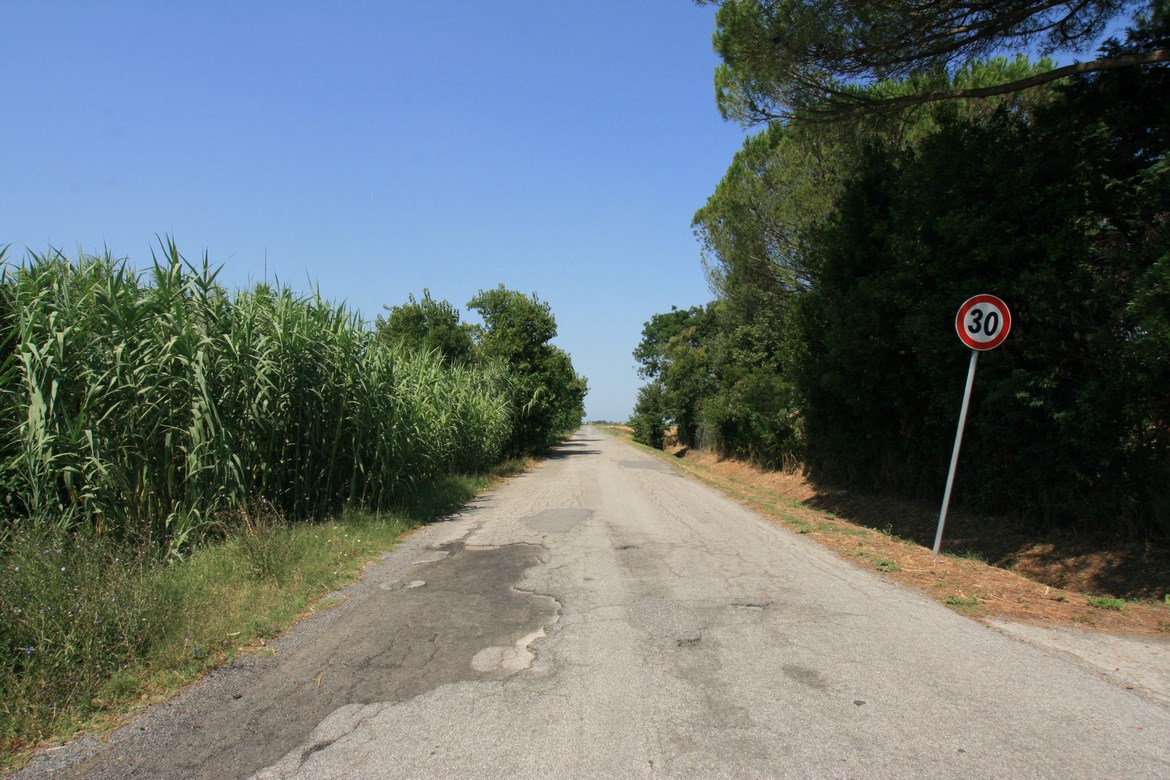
989	324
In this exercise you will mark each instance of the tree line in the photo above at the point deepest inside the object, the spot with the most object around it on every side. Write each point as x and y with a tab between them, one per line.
546	396
849	229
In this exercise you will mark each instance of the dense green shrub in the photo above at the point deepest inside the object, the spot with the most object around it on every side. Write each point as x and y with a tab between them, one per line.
546	394
840	253
649	417
1064	216
755	416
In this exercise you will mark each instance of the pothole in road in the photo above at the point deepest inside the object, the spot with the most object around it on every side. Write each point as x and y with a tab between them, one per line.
507	659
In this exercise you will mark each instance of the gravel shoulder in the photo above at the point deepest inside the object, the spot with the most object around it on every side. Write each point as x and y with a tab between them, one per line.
1134	662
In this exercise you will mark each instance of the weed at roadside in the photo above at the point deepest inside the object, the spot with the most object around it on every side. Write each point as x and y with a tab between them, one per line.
967	555
966	605
76	611
1104	602
88	627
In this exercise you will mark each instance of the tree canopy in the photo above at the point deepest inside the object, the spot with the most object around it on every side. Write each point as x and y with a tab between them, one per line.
673	354
428	325
839	253
783	57
545	394
548	396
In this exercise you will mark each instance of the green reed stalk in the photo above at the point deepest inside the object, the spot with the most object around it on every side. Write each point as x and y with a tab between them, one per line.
156	407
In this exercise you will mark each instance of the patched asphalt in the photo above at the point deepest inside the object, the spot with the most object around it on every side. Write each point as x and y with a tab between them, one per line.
390	640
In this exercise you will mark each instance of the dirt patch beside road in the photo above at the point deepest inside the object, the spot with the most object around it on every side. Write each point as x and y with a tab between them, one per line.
1103	604
988	570
1038	581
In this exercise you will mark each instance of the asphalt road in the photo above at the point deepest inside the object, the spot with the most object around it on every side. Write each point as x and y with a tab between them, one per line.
605	616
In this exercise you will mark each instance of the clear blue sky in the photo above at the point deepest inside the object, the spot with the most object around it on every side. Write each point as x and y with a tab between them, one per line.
377	148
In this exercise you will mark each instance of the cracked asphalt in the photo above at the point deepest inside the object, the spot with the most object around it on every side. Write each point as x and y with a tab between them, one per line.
605	616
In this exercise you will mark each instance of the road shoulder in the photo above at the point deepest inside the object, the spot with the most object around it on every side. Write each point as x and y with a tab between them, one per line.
1130	647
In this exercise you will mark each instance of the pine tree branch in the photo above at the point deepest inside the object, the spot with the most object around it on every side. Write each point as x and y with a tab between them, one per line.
841	101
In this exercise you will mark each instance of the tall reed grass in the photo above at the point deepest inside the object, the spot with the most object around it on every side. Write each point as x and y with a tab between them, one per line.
142	413
156	408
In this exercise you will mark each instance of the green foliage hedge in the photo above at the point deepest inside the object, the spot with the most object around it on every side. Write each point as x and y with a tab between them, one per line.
840	255
1068	420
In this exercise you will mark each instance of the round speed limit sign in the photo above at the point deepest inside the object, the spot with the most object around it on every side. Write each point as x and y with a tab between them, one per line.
983	322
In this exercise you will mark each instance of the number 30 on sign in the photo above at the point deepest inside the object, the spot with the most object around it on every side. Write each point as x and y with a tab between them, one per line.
983	322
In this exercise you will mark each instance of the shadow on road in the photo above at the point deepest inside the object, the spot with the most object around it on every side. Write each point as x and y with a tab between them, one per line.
577	446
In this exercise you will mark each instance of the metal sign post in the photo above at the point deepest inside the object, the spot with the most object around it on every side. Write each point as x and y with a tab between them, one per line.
982	323
942	515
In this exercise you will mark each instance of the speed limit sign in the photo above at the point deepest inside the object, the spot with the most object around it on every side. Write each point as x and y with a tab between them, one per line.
983	322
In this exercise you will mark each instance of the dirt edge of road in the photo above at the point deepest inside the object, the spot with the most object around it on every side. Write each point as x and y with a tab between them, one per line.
1125	639
962	581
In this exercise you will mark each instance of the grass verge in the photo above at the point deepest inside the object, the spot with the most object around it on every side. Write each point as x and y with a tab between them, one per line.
96	630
